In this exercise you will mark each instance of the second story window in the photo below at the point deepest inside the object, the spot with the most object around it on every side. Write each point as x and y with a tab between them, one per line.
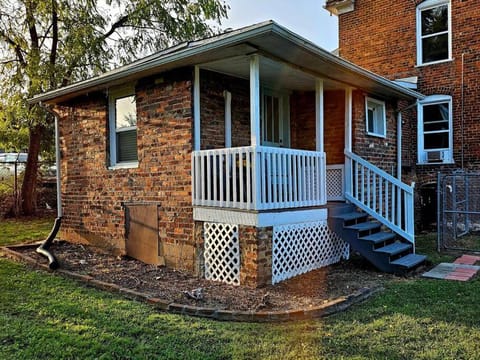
433	32
123	128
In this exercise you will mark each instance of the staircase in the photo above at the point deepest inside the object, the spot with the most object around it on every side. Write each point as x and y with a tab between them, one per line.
384	249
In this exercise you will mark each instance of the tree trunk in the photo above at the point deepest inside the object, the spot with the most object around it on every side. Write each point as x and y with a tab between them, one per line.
30	179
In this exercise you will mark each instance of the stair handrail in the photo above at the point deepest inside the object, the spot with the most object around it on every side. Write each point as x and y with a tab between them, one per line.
380	196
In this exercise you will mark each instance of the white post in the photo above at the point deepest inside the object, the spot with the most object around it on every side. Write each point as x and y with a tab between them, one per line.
255	125
254	100
320	143
348	119
196	109
348	140
228	118
399	167
319	115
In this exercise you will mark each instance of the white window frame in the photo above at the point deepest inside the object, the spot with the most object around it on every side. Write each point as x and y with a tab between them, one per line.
380	121
426	5
112	97
446	153
284	117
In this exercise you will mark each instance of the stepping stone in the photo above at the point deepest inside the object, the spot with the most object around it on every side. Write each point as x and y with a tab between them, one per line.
467	259
449	271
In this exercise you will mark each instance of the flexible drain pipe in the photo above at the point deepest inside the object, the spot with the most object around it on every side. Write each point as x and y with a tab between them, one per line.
44	248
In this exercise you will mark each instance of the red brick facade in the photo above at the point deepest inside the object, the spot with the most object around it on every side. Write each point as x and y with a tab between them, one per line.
94	195
380	36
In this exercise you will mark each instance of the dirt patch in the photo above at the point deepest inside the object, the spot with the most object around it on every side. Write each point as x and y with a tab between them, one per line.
302	292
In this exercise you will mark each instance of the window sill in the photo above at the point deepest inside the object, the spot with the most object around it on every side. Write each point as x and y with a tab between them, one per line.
436	163
124	165
434	63
377	135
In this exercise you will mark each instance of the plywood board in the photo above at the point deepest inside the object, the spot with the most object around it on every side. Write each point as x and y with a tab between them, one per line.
142	233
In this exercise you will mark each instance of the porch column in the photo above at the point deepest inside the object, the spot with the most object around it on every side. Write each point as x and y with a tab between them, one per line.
254	100
348	139
319	115
348	119
196	109
228	118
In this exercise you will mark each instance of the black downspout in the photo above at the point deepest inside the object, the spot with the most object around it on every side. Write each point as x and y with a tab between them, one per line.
44	248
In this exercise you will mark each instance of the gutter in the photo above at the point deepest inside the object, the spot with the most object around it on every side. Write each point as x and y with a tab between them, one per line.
44	248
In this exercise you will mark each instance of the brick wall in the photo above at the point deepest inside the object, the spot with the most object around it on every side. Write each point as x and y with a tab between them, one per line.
302	120
93	195
212	110
255	255
302	123
381	152
380	36
334	127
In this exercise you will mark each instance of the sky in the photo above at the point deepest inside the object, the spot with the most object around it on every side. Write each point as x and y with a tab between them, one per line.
307	18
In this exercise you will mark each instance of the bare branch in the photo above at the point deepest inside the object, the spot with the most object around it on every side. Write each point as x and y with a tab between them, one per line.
16	47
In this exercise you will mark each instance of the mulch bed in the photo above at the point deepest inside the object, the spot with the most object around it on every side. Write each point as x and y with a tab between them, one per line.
302	292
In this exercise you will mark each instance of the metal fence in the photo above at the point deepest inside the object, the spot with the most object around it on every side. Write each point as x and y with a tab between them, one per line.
459	211
11	179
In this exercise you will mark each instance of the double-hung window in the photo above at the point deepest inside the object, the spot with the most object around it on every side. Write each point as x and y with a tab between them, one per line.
376	117
435	136
123	128
434	38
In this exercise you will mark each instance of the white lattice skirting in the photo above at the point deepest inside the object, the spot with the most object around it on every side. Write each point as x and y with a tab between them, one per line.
335	183
222	253
299	248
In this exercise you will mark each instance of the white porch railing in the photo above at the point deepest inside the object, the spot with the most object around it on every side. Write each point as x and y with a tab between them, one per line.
258	178
379	194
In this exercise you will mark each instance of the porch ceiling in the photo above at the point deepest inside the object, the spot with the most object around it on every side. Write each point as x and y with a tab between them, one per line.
273	74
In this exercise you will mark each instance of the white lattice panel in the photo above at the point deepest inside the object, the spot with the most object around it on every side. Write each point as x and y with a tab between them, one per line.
299	248
335	182
222	253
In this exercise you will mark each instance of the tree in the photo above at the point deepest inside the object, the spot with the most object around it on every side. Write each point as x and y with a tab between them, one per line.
46	44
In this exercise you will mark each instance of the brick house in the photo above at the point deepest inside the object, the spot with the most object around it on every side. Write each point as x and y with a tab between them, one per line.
432	46
223	156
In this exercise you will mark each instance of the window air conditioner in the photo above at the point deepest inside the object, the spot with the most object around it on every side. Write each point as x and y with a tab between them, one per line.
435	156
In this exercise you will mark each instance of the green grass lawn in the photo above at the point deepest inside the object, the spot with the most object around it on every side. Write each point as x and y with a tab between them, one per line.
14	231
44	316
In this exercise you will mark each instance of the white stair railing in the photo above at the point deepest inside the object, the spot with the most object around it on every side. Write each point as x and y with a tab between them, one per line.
379	194
258	178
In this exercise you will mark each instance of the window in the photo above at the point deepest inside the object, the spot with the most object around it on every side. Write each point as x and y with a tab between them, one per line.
275	119
435	138
123	128
433	32
376	118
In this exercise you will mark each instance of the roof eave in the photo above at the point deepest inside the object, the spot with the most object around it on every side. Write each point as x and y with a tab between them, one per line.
189	52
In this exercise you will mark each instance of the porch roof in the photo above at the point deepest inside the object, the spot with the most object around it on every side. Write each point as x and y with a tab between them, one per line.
267	38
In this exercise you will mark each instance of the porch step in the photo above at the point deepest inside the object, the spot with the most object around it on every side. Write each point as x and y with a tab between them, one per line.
395	248
409	261
352	216
364	226
384	249
379	237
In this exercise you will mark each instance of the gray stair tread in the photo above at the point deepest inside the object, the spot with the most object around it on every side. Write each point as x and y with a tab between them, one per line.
350	216
379	237
368	225
338	209
395	248
409	261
